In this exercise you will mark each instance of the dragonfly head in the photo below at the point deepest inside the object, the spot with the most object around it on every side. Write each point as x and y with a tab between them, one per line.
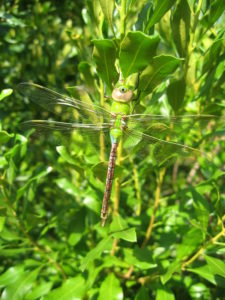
122	93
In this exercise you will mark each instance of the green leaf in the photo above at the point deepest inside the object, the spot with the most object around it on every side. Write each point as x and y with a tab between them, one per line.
161	67
217	8
108	8
5	93
120	230
39	291
142	294
2	223
136	52
202	210
173	267
175	93
5	137
162	6
40	175
164	293
181	26
104	55
105	244
68	158
11	275
84	69
110	289
216	265
128	234
212	55
140	258
73	288
21	286
206	273
100	171
190	242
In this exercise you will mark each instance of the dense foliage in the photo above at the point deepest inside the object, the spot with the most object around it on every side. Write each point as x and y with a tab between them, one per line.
165	235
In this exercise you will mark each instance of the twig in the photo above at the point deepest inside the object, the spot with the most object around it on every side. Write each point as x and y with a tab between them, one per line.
156	205
202	249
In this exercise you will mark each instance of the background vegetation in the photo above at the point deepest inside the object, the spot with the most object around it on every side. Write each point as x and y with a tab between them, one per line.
165	236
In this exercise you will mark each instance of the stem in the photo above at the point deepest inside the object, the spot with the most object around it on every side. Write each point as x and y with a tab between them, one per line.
201	250
123	19
156	205
137	188
102	143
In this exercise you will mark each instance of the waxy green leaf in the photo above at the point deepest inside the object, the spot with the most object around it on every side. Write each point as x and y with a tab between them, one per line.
110	289
162	6
160	68
104	55
181	27
136	52
5	93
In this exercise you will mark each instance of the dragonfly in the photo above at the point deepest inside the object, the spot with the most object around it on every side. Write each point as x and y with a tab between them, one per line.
119	122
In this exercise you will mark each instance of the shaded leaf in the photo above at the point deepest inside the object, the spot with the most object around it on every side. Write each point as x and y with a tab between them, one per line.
142	294
108	8
181	27
175	93
161	67
104	55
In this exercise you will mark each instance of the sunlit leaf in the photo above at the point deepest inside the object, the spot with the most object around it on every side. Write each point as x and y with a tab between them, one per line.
216	265
136	52
72	288
105	244
110	289
160	9
5	93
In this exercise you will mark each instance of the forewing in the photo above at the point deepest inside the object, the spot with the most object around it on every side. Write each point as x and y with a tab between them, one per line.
63	105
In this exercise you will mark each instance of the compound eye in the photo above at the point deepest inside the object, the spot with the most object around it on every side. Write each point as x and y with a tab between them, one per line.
123	89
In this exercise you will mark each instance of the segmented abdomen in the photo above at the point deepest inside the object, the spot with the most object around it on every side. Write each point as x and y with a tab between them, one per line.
108	185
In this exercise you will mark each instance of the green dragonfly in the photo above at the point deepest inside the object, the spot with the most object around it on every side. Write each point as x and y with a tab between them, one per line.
135	129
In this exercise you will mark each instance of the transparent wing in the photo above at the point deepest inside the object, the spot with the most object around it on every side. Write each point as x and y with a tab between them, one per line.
63	105
174	128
